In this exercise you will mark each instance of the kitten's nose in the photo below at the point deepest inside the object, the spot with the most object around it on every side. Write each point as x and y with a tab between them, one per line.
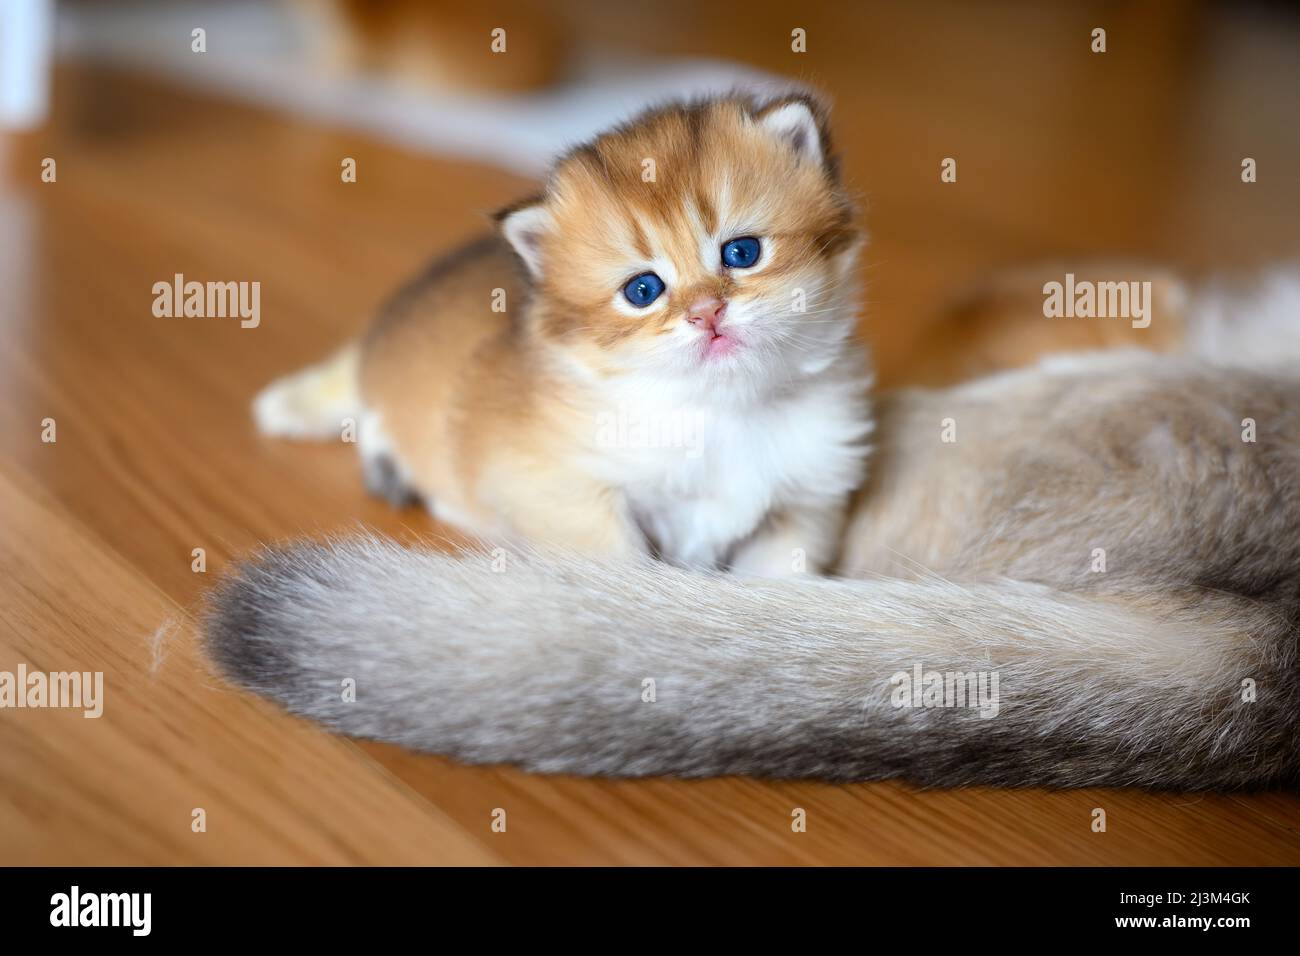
706	313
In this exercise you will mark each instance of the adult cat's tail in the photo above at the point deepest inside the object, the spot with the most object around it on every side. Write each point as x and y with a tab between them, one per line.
563	664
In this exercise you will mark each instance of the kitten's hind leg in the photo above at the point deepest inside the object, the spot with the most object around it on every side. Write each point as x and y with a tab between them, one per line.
384	480
381	470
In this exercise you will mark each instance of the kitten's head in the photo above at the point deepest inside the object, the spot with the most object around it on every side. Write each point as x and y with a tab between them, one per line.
710	241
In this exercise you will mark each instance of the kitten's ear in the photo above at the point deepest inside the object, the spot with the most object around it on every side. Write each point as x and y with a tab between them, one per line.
524	226
796	121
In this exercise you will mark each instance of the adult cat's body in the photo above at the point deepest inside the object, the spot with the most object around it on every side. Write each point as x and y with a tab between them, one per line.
662	363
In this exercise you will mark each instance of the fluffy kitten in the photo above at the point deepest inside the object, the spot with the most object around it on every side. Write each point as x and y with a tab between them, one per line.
656	358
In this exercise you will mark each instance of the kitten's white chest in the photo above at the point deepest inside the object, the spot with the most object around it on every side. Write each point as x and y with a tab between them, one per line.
699	480
695	501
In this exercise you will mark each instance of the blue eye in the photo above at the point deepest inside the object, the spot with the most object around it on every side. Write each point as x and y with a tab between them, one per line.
644	289
741	253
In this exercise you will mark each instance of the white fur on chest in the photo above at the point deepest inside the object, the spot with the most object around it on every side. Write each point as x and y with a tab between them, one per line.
700	477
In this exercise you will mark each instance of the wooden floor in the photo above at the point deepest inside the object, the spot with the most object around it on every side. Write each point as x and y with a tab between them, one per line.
155	454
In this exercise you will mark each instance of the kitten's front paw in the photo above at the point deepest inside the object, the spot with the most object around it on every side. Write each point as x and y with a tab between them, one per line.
772	559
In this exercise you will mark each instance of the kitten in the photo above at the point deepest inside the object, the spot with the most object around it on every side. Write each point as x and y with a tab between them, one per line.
655	356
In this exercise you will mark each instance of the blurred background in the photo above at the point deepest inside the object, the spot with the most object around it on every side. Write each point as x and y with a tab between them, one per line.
141	139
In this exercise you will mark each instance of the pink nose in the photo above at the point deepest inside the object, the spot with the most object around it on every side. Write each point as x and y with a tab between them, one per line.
706	313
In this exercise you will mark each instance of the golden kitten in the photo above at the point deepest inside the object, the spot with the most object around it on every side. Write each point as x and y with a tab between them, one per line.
654	355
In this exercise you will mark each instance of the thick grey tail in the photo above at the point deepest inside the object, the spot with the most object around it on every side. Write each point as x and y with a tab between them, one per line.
563	664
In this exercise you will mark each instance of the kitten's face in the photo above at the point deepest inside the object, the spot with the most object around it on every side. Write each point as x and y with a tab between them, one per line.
709	242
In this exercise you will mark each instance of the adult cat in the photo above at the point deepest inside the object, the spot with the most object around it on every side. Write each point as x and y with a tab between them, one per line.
656	355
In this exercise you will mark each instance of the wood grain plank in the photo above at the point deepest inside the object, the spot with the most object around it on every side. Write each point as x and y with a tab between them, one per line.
121	788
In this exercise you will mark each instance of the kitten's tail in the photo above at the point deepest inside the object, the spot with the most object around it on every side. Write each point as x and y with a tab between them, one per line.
312	403
562	664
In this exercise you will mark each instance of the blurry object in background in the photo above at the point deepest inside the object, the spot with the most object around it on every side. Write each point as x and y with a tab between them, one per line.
270	53
997	322
26	38
440	44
